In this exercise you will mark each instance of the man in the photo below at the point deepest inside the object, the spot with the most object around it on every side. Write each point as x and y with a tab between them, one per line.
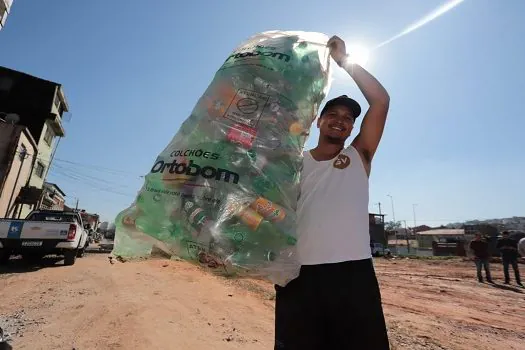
509	255
335	302
480	247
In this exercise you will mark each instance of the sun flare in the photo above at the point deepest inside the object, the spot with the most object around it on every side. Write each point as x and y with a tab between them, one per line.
358	54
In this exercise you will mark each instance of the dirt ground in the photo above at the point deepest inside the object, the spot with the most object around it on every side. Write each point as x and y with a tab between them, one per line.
164	304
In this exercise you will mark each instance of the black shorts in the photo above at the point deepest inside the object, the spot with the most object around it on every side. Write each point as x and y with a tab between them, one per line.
331	306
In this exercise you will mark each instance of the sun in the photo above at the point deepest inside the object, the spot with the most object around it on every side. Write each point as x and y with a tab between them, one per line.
358	54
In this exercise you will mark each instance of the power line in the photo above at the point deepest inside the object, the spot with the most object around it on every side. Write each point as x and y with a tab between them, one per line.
95	167
82	174
92	185
76	175
89	183
85	165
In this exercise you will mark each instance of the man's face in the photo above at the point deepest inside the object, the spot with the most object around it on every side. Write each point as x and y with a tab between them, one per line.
478	237
336	124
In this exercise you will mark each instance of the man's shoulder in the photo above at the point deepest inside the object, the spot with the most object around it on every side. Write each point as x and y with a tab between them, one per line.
307	154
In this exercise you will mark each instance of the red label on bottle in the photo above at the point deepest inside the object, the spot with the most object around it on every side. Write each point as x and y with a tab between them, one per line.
242	134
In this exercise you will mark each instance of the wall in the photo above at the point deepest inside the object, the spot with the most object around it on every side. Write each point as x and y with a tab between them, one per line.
6	131
12	186
44	156
377	229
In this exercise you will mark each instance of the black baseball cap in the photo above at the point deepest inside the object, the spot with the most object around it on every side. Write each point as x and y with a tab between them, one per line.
346	101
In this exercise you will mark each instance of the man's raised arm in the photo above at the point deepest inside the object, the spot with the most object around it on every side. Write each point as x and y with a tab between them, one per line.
373	123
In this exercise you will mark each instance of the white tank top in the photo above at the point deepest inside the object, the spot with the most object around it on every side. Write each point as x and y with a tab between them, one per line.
332	210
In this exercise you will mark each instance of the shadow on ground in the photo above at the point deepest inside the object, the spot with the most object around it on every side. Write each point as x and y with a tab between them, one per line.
19	265
98	251
508	287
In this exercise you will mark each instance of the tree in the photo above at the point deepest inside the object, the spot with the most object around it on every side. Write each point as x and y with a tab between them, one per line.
392	225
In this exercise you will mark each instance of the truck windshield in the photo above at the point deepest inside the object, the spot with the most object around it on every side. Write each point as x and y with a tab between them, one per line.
52	217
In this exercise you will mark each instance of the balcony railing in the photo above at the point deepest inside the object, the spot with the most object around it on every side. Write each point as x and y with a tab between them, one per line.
56	124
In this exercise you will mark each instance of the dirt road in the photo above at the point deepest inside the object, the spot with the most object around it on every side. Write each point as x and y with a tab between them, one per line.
162	304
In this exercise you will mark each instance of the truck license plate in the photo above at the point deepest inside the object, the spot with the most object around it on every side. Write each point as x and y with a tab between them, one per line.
32	243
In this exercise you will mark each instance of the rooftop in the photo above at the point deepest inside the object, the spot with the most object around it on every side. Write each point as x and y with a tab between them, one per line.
442	232
55	186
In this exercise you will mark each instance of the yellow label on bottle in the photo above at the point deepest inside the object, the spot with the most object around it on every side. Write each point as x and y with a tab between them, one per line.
270	211
250	218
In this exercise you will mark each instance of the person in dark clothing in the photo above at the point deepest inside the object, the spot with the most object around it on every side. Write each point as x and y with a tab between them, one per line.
480	247
509	255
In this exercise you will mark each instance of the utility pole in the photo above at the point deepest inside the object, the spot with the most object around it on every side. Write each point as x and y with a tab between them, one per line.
414	212
406	236
76	206
379	205
393	213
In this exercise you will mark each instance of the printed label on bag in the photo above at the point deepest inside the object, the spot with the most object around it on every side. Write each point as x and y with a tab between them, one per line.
247	107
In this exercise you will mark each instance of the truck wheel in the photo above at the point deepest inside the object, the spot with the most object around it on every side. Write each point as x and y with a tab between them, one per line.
4	256
80	253
69	257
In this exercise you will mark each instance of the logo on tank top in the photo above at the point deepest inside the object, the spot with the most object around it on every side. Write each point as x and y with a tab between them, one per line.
342	161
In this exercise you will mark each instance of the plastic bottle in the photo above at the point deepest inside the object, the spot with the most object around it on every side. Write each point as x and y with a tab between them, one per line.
264	232
281	219
198	219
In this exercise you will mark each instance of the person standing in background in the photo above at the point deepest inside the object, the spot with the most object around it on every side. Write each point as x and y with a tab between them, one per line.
509	255
480	247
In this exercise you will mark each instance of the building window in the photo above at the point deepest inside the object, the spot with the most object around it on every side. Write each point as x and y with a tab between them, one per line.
40	168
48	137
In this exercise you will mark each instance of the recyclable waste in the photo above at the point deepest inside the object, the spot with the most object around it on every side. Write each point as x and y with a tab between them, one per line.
223	193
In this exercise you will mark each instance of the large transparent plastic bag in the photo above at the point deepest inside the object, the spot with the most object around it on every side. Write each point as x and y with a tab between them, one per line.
224	191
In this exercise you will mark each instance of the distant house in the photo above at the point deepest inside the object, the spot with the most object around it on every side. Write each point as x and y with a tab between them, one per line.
421	228
92	219
425	238
377	228
53	197
87	218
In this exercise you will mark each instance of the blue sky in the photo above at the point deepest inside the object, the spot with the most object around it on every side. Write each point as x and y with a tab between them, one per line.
133	70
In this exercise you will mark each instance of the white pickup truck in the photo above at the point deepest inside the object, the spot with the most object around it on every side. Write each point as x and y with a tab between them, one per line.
44	232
